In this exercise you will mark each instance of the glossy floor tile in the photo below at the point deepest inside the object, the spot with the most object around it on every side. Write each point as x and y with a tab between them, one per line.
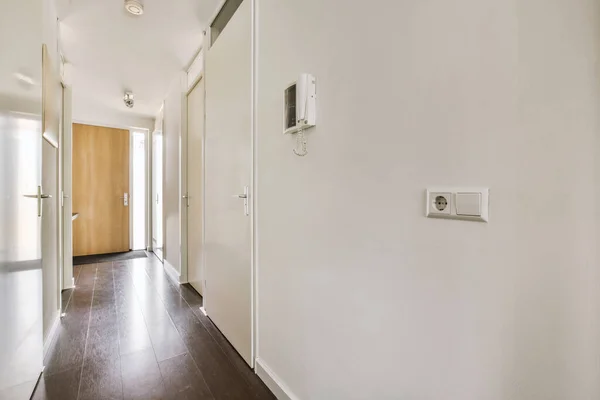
130	333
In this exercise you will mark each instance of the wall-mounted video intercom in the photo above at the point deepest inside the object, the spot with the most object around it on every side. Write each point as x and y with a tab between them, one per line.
299	111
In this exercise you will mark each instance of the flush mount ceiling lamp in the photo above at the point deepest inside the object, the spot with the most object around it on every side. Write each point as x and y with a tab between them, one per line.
128	99
24	78
134	7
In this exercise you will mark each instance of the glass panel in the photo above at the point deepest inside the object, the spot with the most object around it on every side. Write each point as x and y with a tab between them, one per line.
138	195
221	20
21	344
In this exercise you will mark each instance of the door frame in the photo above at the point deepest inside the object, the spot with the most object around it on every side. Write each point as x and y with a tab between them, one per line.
148	176
253	180
185	173
151	160
65	189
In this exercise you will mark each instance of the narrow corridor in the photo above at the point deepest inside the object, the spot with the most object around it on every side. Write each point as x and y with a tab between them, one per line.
130	333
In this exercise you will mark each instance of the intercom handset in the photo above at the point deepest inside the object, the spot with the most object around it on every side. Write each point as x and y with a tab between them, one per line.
300	108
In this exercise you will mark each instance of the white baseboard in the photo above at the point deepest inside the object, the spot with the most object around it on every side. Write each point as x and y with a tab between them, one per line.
203	310
52	333
172	272
279	389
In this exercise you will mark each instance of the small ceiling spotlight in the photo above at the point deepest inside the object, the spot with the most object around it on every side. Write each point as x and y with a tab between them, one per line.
128	99
134	7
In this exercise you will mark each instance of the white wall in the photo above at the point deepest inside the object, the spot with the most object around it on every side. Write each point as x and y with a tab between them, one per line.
172	131
361	296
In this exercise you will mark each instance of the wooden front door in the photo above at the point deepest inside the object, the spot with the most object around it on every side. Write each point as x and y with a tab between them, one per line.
100	183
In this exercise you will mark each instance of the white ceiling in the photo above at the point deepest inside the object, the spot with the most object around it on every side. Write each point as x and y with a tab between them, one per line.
112	51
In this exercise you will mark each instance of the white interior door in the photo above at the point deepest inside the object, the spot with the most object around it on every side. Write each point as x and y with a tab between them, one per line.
51	210
228	167
195	169
157	196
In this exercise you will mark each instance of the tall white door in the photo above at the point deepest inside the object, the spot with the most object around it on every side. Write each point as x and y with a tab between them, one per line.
157	189
195	170
228	165
51	116
21	341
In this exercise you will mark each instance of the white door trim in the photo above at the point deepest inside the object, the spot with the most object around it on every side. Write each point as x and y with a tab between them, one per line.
159	161
184	235
183	189
253	193
149	197
130	204
67	187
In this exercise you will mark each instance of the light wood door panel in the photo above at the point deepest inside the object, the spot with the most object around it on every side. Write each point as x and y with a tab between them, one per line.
100	180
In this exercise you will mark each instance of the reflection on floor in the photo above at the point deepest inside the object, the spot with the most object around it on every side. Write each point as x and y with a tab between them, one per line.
130	333
108	258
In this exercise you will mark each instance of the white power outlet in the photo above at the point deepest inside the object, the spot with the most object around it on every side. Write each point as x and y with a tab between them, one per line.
439	203
464	203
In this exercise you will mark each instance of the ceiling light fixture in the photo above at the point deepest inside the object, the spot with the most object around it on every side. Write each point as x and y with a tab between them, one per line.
21	77
128	99
134	7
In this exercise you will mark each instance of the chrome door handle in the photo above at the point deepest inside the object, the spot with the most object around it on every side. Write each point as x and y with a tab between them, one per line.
187	200
245	197
62	200
39	196
125	198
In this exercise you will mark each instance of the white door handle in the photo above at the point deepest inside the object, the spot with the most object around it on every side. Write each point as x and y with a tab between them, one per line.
62	200
245	197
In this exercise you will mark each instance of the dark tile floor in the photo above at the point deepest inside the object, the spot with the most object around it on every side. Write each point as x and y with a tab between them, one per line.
130	333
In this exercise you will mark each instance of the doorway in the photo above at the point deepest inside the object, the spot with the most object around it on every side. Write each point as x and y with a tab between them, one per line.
195	170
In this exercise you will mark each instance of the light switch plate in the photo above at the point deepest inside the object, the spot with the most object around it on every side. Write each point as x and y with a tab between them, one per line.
462	203
468	204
